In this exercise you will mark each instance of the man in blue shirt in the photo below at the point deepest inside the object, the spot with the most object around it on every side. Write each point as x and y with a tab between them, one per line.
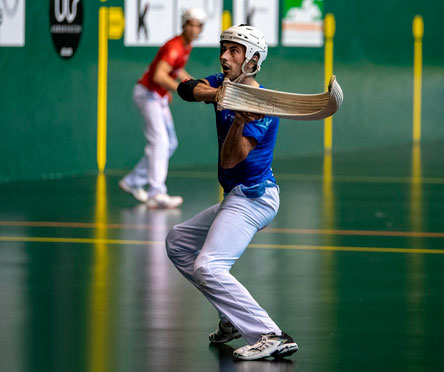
205	247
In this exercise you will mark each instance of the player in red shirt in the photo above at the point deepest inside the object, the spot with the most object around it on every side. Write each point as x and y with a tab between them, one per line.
146	182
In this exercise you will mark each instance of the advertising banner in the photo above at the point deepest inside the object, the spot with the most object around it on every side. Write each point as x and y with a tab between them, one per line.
12	23
153	22
263	14
302	23
66	25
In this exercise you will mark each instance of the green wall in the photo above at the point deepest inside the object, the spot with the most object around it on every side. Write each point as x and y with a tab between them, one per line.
48	106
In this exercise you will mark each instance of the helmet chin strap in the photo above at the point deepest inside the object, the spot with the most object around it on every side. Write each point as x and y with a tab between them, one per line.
251	71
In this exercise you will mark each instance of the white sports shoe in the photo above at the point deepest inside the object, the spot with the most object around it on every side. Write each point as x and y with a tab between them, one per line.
270	345
138	192
164	201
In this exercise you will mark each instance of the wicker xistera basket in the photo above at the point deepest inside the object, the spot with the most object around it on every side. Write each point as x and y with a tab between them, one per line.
240	97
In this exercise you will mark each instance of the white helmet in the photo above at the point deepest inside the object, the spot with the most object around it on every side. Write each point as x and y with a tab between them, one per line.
195	14
250	37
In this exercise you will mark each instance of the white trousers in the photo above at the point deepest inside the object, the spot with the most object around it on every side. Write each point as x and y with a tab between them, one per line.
205	248
161	139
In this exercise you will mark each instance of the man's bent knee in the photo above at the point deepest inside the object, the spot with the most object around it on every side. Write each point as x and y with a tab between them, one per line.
171	243
206	273
201	274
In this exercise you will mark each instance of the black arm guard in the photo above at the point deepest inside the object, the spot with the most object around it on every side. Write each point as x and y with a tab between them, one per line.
185	89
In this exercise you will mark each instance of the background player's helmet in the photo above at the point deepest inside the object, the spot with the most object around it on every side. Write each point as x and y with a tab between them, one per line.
195	14
253	40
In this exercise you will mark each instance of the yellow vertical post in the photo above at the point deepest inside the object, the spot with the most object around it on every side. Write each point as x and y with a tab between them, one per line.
418	32
416	264
226	20
102	88
327	180
329	32
226	23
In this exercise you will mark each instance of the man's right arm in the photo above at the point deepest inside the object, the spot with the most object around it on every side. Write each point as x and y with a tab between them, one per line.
162	77
197	90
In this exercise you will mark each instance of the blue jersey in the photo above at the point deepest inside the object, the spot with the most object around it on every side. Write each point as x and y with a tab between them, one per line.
256	168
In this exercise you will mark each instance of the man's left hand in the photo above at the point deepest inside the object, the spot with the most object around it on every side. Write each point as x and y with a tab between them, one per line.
243	117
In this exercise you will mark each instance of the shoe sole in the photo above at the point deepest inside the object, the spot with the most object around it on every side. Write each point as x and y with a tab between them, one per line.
281	352
285	350
225	340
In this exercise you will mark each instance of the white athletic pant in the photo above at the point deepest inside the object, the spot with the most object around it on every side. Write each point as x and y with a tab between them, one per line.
205	248
161	139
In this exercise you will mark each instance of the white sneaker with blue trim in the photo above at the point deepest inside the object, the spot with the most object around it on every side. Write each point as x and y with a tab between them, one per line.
269	345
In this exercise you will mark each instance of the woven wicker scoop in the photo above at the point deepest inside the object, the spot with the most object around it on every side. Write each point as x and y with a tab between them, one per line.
240	97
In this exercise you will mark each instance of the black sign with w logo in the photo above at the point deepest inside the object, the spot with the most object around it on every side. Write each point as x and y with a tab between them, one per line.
66	17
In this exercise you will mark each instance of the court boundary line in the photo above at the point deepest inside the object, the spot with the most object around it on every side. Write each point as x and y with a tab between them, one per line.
320	177
24	239
296	231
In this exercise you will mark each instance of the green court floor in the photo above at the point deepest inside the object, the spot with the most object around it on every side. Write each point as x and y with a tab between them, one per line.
352	267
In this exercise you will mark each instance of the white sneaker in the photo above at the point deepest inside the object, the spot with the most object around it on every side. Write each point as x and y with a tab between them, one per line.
269	345
138	192
164	201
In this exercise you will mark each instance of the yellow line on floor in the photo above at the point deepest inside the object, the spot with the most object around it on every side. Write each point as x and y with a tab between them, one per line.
281	230
77	240
362	179
409	234
87	225
254	245
319	177
347	249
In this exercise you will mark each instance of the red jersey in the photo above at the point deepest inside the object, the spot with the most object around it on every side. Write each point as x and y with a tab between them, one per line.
176	54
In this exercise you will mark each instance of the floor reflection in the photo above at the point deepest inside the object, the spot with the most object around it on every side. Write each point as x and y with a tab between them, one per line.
99	311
